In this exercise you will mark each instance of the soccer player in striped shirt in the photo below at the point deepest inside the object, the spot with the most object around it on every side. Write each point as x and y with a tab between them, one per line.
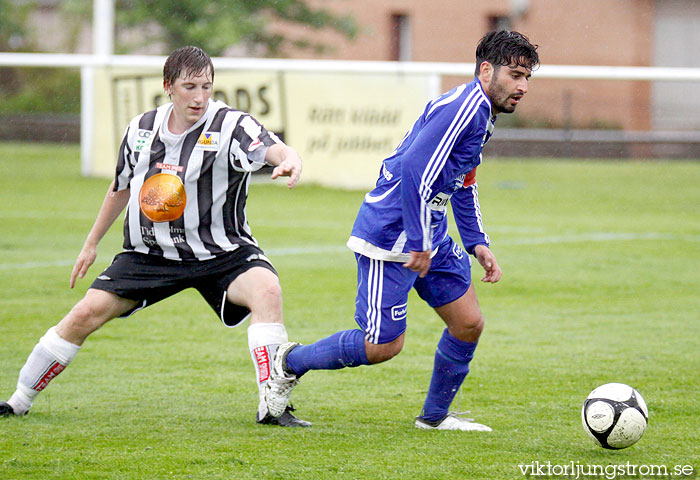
182	175
401	242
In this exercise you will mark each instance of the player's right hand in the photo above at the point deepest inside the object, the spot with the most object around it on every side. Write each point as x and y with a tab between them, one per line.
419	262
487	260
85	259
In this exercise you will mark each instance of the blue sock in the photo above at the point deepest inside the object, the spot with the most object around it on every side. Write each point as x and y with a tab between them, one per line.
451	366
340	350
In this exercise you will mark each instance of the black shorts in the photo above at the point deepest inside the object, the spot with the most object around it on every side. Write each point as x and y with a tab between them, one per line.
150	278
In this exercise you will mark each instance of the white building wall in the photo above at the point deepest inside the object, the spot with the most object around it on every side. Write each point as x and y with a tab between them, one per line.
676	106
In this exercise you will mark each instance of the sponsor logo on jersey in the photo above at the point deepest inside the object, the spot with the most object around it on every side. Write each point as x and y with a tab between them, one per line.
399	312
208	141
263	361
167	166
143	139
439	202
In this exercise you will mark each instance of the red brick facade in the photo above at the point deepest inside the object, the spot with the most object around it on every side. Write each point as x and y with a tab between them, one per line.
569	32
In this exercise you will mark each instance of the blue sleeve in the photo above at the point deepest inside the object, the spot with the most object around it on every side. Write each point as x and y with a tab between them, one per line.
467	214
449	135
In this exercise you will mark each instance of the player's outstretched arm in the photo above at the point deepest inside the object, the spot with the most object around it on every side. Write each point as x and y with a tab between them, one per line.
112	206
487	260
286	161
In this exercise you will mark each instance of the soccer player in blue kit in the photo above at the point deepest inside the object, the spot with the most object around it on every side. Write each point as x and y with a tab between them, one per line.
400	238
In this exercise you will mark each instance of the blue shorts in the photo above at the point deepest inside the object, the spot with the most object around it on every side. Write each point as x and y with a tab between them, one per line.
383	286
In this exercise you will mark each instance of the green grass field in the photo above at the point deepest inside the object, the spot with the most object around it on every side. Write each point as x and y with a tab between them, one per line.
601	283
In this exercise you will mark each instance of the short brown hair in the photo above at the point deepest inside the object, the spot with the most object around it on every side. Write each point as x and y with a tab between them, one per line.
190	60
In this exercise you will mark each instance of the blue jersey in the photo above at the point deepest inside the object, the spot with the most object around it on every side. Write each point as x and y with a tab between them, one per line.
435	163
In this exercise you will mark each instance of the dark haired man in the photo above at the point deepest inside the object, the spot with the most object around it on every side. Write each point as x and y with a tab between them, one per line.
182	175
400	238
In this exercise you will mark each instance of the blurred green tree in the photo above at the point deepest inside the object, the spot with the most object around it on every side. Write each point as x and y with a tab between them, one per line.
12	30
214	25
217	25
12	37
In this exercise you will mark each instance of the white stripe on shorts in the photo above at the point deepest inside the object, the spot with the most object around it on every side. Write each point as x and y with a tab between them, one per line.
375	281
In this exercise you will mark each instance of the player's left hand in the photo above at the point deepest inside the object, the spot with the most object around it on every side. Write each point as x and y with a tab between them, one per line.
487	260
289	167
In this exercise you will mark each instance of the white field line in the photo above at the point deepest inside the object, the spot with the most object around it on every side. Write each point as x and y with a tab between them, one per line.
330	249
272	252
36	215
599	237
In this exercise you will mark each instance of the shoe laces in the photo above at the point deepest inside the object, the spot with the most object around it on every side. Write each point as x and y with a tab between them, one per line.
461	415
284	384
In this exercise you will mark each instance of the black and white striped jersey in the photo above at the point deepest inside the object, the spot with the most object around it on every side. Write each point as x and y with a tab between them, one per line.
213	161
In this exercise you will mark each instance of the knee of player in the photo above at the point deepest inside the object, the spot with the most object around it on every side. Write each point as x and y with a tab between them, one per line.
469	329
83	319
267	297
83	312
477	324
271	291
378	353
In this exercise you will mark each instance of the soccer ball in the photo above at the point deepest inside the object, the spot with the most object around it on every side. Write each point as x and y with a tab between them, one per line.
614	415
162	198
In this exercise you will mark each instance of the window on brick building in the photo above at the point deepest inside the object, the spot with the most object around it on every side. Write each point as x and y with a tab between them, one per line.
401	38
499	22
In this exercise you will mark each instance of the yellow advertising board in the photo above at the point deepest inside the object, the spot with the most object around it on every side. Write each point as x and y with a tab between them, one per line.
345	124
342	124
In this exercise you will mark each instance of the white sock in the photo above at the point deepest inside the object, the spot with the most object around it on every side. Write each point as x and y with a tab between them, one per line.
49	358
20	401
263	340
